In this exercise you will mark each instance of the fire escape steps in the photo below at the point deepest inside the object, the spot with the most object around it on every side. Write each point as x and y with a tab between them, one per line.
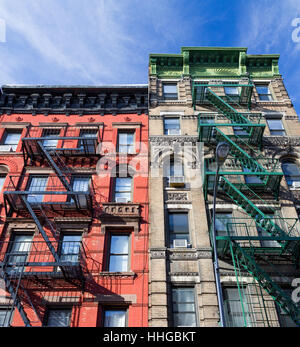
245	256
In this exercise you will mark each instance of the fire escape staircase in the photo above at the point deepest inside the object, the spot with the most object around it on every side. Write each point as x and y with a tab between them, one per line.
64	174
242	194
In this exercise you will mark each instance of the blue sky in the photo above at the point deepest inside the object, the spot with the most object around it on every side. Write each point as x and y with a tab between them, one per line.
109	41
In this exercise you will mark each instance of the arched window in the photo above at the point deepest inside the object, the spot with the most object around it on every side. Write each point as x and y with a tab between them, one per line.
174	171
291	172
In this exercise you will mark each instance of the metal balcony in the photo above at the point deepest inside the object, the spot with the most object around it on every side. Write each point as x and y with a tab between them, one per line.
52	196
241	95
33	261
64	141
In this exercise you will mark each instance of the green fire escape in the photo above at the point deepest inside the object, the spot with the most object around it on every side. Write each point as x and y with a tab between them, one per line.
256	244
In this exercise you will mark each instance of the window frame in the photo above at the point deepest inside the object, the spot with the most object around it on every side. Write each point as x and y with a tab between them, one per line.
128	146
14	146
125	191
275	132
194	302
7	322
290	178
171	234
57	308
166	130
109	253
269	95
168	95
114	308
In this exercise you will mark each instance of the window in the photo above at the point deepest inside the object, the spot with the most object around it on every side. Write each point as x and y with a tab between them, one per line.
115	318
240	131
224	223
179	229
172	126
50	133
19	248
10	140
4	316
2	180
89	142
176	174
80	184
183	305
119	253
70	247
126	142
123	189
58	317
232	92
263	92
36	184
276	127
291	173
237	311
208	132
251	179
262	233
170	91
285	320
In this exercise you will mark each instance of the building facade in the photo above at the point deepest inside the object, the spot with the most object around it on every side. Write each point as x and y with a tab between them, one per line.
74	206
95	234
197	99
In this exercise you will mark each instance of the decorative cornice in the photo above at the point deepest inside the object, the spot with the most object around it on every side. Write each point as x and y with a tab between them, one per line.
30	101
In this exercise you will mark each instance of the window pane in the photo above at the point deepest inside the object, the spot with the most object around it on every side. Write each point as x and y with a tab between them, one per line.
12	138
262	89
184	313
232	90
119	244
115	318
178	222
222	223
184	320
118	263
123	184
50	133
176	169
81	184
170	88
275	124
2	179
59	318
119	248
70	248
37	184
4	317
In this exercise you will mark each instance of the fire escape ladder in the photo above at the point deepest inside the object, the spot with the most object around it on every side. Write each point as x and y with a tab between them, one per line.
247	261
17	302
60	169
41	229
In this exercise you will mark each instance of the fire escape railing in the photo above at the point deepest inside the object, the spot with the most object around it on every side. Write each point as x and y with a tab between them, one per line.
245	174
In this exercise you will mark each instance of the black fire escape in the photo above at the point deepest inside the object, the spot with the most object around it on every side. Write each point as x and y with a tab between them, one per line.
28	265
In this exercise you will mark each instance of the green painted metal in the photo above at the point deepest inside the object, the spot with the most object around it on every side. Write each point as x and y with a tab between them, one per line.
245	160
213	62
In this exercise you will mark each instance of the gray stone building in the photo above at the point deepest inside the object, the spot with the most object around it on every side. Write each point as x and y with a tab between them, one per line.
197	99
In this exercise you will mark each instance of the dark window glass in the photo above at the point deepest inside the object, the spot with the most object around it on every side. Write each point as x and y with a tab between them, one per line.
276	127
115	318
178	227
291	172
183	304
170	91
171	126
58	317
263	92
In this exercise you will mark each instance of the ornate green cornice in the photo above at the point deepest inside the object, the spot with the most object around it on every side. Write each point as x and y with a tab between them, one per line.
213	62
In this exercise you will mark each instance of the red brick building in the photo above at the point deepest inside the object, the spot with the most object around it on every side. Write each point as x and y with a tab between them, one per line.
74	206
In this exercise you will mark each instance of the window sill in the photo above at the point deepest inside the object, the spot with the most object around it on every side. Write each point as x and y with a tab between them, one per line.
117	274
